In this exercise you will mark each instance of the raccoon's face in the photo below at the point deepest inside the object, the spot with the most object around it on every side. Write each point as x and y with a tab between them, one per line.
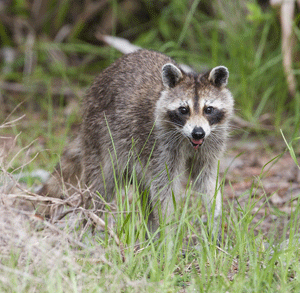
195	106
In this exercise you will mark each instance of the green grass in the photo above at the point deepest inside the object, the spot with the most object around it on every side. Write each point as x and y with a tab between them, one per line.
183	258
186	258
199	34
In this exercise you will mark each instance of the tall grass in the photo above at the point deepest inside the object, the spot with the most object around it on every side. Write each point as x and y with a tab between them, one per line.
185	259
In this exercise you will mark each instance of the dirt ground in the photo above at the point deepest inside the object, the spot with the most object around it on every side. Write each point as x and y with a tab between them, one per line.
261	168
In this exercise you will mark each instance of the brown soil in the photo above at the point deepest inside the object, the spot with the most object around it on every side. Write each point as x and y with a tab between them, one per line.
262	171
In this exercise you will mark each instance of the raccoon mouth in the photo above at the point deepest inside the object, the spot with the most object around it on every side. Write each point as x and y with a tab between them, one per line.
197	143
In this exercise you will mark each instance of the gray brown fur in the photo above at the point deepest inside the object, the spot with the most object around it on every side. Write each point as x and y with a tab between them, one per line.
131	97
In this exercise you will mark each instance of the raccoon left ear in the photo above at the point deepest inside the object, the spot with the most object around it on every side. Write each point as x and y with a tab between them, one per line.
219	76
171	75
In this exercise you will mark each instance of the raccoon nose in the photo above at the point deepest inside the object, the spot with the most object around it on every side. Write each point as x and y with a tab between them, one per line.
198	133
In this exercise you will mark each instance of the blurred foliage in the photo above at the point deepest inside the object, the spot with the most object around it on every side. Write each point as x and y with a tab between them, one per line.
49	49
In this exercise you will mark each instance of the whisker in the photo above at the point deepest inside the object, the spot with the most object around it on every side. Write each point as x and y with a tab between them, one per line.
170	122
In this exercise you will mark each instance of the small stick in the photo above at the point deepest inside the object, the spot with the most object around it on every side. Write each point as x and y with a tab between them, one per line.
97	220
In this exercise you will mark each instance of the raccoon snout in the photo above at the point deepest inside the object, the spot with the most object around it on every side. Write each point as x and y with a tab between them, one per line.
198	133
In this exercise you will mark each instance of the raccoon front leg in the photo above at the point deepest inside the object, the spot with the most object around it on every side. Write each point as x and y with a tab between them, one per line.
161	196
206	185
215	210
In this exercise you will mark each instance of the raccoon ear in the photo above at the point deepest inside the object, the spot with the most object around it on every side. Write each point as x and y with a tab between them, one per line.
171	75
219	76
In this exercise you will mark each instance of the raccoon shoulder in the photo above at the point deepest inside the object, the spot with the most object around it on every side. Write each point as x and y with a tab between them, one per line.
134	72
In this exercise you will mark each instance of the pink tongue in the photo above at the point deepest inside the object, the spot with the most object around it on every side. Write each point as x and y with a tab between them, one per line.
197	143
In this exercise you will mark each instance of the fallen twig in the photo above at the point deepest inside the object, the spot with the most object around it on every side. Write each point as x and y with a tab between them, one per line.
98	221
36	197
11	123
17	87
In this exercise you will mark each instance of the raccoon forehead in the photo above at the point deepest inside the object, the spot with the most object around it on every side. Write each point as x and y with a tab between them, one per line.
196	105
216	103
199	106
172	102
195	100
179	103
217	99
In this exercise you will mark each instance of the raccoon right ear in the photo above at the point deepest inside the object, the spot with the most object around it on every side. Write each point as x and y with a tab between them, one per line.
219	76
171	75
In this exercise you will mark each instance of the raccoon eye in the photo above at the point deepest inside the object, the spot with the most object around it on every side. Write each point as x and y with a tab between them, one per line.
208	110
184	110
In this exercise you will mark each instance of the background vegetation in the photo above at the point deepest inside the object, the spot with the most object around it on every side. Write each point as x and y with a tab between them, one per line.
51	50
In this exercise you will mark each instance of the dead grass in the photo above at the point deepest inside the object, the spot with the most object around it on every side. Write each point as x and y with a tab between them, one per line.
39	255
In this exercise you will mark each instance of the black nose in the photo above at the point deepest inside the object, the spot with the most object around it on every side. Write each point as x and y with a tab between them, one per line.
198	133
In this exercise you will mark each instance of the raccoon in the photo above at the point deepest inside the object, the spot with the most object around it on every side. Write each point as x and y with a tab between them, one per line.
144	114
